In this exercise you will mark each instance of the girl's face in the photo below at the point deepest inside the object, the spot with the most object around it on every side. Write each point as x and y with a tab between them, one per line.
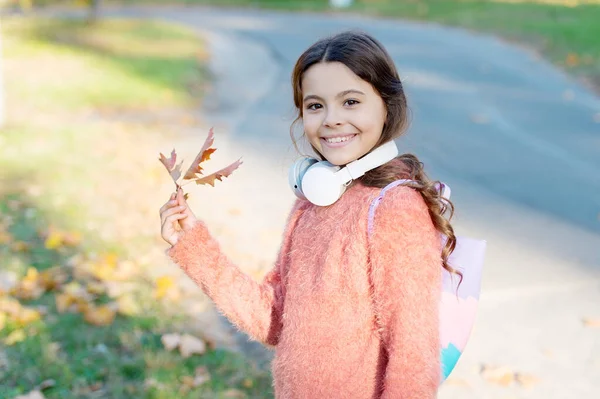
343	115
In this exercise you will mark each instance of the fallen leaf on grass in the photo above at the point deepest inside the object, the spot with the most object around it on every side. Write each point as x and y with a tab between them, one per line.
128	306
56	238
195	171
589	322
165	288
572	60
31	395
235	394
188	344
29	287
102	315
201	377
20	246
170	341
15	337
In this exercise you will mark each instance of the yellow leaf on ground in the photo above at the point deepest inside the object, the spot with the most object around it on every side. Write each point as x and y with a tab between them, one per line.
2	320
527	380
102	315
163	285
95	288
5	237
27	316
572	60
190	345
14	337
20	246
498	375
128	306
64	302
589	322
54	239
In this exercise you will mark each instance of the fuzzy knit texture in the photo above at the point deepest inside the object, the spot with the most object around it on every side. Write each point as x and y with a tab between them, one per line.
348	316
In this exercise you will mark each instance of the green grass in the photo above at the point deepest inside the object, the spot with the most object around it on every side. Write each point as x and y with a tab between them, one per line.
559	32
67	164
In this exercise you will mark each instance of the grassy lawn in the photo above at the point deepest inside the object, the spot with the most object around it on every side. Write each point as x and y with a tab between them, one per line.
567	32
81	314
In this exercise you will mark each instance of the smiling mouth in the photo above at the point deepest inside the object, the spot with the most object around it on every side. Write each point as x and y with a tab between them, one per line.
338	140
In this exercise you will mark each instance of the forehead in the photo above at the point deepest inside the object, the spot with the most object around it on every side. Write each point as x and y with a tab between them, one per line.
331	78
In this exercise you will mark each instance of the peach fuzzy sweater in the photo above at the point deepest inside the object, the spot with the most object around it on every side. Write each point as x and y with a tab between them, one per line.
348	316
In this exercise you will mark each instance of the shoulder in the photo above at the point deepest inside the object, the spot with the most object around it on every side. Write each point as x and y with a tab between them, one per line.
398	201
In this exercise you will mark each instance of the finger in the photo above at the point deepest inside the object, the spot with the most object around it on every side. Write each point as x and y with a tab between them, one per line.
171	211
167	205
171	220
180	197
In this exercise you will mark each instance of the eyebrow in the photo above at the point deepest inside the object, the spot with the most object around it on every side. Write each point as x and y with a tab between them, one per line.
341	94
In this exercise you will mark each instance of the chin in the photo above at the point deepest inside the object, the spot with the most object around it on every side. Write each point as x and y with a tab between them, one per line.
339	159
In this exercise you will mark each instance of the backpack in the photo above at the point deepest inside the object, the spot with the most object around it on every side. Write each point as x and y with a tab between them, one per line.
458	305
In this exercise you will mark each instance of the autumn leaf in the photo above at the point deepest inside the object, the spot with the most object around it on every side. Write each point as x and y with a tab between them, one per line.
15	337
526	380
128	306
202	156
589	322
225	172
195	171
35	394
498	375
54	240
102	315
164	286
169	163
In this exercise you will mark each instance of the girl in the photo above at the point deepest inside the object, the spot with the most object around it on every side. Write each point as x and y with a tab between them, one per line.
349	314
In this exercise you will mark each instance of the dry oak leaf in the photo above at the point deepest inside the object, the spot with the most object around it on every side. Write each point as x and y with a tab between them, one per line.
195	171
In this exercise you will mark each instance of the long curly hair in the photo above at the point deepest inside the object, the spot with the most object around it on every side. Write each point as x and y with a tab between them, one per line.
370	61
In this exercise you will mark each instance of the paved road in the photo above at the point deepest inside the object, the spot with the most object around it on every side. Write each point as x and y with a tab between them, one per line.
517	140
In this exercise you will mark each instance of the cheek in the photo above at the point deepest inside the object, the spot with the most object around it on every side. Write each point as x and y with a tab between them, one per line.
311	125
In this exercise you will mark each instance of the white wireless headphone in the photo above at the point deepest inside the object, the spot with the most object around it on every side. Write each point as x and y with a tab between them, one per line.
323	183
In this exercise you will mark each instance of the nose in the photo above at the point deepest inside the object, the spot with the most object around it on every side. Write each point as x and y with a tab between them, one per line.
332	119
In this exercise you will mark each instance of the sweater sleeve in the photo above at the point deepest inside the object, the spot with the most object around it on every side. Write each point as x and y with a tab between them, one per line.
406	276
254	308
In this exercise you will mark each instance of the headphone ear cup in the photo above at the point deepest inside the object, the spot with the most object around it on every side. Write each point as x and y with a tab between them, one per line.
321	185
296	174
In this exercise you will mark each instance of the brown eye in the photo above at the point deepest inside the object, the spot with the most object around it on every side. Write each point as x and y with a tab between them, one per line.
352	102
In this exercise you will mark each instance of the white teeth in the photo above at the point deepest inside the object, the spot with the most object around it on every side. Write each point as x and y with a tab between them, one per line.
338	139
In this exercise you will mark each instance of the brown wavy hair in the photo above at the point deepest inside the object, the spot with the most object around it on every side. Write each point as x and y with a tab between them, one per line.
370	61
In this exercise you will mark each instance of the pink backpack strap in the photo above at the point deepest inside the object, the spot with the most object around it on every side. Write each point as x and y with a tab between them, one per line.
373	207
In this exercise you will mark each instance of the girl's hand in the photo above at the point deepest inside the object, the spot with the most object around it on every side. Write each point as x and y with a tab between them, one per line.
176	218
